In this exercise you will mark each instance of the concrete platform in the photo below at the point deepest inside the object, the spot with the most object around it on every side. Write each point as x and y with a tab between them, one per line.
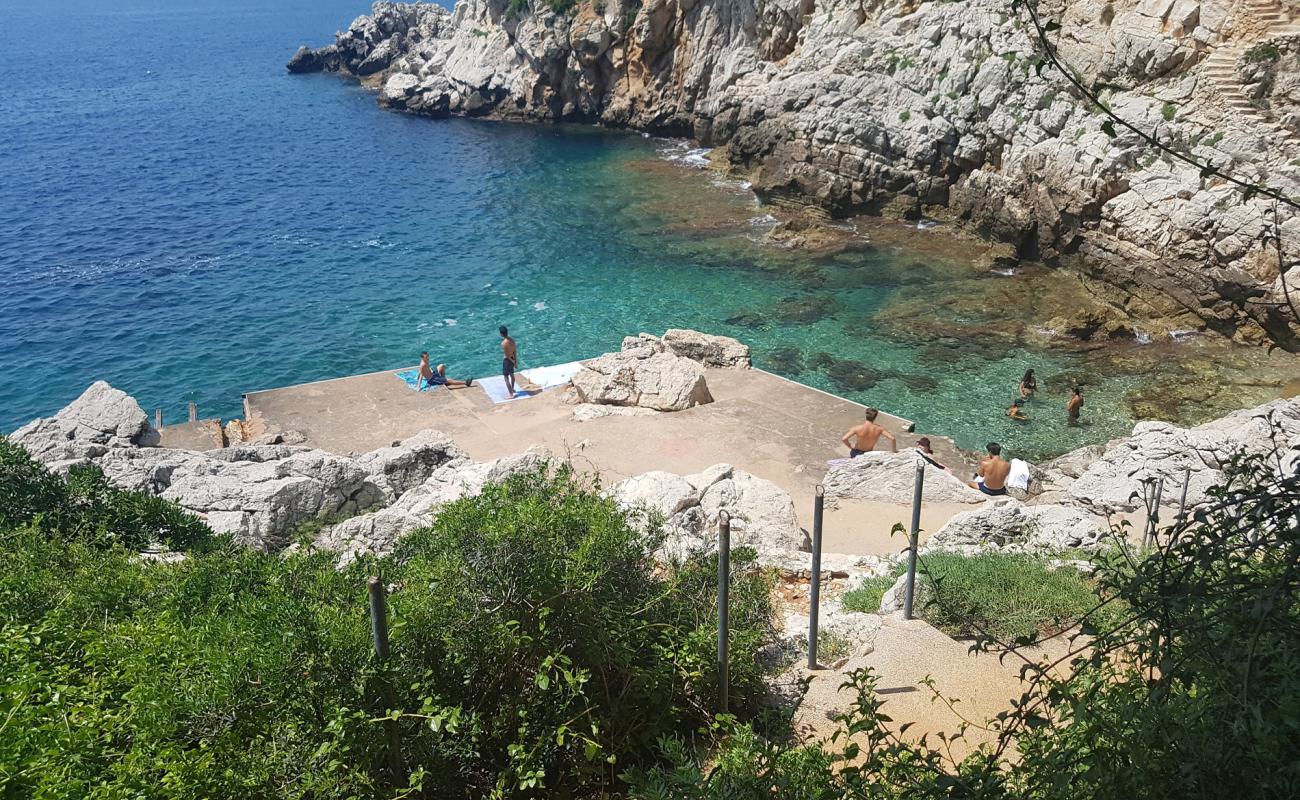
758	422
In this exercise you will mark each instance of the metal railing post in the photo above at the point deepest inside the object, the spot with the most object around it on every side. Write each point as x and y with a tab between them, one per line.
1182	501
910	592
379	631
724	587
814	596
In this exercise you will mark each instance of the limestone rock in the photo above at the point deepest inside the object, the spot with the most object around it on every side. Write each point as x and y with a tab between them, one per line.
762	514
1012	526
891	478
101	419
709	350
409	463
258	495
1113	481
376	533
660	381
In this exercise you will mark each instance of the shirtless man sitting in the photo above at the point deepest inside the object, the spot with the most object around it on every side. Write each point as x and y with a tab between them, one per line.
991	478
437	376
862	438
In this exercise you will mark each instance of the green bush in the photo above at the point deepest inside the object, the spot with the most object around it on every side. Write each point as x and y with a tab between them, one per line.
1264	51
536	649
1006	596
1167	112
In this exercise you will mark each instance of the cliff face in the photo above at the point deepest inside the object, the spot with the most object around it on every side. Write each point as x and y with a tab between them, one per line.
889	106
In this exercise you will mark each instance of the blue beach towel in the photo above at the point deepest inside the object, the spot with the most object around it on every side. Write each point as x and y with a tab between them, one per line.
411	377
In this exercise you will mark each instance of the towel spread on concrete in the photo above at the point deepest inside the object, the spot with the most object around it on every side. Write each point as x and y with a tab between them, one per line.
411	377
535	380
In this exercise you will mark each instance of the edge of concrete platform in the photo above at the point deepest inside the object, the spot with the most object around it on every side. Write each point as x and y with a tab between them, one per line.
327	380
908	425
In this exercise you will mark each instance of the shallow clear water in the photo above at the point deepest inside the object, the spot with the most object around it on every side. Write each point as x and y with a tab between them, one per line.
187	221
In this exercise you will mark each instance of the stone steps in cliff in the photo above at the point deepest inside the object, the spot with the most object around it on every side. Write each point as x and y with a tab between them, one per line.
1265	19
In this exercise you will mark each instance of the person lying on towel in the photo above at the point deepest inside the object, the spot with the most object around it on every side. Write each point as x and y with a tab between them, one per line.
437	376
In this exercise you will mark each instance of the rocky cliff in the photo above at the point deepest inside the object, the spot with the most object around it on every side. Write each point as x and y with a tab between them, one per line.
905	108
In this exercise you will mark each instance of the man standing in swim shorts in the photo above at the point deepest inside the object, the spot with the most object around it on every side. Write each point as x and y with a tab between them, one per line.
862	438
510	361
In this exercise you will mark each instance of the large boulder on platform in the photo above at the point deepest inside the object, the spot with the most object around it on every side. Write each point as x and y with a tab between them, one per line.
709	350
891	478
1012	526
705	348
377	532
101	419
258	495
410	462
661	381
762	513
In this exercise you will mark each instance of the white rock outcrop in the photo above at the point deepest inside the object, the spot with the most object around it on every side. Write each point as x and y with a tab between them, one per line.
656	380
101	419
1011	526
891	478
1113	480
762	513
376	533
258	495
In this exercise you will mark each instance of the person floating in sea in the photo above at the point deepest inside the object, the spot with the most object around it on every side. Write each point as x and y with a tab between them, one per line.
510	360
862	438
991	478
1028	385
1072	407
924	450
437	376
1017	410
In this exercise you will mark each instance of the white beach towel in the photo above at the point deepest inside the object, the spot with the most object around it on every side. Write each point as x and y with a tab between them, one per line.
1018	478
539	377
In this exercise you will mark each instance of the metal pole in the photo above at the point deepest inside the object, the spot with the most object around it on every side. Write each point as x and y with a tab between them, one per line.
1182	501
194	413
911	545
157	419
379	630
1153	515
814	598
724	575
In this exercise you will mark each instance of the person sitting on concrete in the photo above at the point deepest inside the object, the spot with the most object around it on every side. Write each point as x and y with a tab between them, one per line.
437	376
862	438
991	478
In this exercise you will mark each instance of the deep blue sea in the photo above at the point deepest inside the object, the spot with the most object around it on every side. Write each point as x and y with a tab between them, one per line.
184	219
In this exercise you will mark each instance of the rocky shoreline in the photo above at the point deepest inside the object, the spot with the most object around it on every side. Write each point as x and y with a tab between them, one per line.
270	495
898	108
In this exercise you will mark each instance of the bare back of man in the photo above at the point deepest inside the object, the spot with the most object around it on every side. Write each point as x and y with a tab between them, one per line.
862	438
994	470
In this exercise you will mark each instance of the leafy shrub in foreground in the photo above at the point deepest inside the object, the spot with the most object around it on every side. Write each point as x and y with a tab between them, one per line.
536	651
1191	689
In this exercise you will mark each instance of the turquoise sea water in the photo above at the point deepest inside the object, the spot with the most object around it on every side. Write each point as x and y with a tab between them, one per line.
187	221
